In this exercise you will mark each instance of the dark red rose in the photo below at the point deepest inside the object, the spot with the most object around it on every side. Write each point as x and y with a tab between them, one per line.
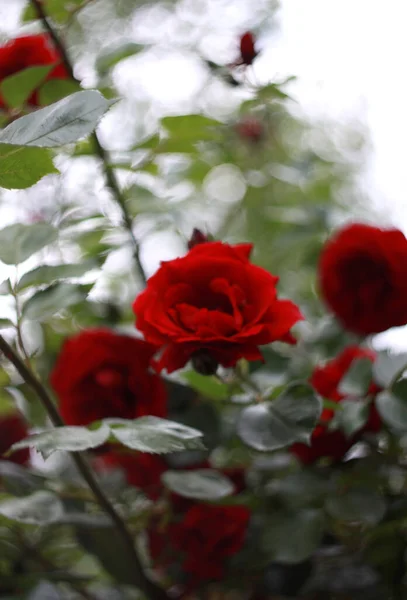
326	380
102	374
250	129
247	49
30	51
363	278
215	302
143	471
206	537
12	430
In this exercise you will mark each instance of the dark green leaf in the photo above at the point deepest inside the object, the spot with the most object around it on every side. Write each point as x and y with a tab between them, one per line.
47	274
21	167
291	537
158	436
18	242
4	323
18	480
351	417
387	366
61	123
358	378
70	439
46	303
290	418
393	410
208	386
17	88
56	89
40	508
201	484
358	505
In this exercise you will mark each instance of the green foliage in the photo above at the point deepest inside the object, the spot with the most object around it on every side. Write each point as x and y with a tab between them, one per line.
47	303
357	505
200	484
392	406
40	508
21	167
110	58
47	274
61	123
17	88
208	386
290	418
18	242
357	380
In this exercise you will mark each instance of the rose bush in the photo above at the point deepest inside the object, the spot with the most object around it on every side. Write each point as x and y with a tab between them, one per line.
214	302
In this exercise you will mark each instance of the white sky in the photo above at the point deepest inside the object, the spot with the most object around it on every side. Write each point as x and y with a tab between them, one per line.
349	57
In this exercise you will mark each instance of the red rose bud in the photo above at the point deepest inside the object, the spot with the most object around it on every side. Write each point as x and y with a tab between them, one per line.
197	237
251	129
363	278
215	299
30	51
101	374
326	380
247	48
12	430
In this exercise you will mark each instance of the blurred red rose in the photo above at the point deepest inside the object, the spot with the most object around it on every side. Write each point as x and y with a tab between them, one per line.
12	430
363	278
30	51
247	48
326	380
214	306
143	471
101	374
206	536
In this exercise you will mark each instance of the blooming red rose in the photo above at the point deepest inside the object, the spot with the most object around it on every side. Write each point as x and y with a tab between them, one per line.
326	380
207	536
102	374
143	471
30	51
213	305
363	278
12	430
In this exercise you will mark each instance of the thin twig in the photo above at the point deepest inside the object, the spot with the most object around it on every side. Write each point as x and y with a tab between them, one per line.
152	591
100	151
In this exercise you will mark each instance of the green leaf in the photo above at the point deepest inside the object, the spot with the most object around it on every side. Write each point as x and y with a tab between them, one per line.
358	505
392	405
290	418
357	380
69	439
40	508
56	89
110	58
292	537
207	385
201	484
61	123
50	273
46	303
351	417
387	366
299	489
4	323
18	242
186	131
17	88
18	480
158	436
21	167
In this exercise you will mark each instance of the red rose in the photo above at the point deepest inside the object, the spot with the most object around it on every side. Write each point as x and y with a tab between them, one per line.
363	278
102	374
207	535
30	51
247	48
213	305
143	471
251	129
12	430
325	380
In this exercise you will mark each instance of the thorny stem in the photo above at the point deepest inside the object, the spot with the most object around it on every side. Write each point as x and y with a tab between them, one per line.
151	590
100	151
